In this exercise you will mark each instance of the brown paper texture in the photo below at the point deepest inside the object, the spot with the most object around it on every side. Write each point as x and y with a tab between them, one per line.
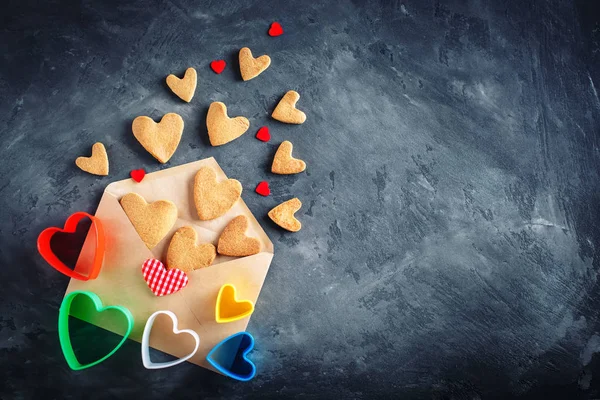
121	282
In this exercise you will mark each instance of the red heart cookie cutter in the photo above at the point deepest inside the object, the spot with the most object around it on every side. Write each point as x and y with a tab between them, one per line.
43	244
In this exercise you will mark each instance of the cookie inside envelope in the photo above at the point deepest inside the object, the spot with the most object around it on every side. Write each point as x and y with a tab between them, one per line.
120	281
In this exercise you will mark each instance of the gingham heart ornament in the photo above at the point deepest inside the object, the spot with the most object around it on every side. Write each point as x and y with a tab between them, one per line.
162	281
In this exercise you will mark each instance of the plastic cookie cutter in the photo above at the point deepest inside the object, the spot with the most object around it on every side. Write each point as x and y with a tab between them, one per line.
229	308
63	328
229	357
43	244
146	342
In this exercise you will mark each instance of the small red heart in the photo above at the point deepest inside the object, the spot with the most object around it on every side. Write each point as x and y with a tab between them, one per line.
275	29
263	134
137	175
43	244
218	66
263	188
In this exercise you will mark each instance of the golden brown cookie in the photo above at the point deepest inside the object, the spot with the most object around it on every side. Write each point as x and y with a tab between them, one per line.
283	215
284	163
213	198
184	87
97	164
286	110
221	128
151	221
184	254
159	139
234	242
251	67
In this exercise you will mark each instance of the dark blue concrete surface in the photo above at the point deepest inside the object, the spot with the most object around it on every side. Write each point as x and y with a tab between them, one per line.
450	235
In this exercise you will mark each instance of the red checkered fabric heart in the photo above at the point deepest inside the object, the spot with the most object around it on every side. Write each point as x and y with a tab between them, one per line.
161	281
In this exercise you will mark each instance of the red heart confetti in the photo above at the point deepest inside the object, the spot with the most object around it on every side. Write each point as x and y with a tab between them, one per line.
137	175
218	66
263	134
161	281
263	188
70	227
275	29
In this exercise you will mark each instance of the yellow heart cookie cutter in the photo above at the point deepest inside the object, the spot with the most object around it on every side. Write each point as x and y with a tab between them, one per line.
229	308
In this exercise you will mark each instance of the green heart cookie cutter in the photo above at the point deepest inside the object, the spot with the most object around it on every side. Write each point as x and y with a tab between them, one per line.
63	328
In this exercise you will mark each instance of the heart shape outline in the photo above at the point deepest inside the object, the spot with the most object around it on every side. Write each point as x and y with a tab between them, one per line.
63	328
146	342
70	226
228	293
161	139
228	371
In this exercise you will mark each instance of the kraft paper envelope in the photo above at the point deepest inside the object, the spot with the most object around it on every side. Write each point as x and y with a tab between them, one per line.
121	282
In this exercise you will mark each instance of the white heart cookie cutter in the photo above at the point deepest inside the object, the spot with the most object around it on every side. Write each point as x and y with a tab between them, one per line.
146	342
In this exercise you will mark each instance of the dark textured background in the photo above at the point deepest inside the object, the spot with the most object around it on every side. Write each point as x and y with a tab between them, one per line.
450	235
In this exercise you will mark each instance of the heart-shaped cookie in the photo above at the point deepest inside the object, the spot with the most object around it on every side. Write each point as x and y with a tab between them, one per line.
161	281
184	254
159	139
234	242
184	87
213	198
286	110
97	164
229	308
151	221
284	163
283	215
251	67
221	128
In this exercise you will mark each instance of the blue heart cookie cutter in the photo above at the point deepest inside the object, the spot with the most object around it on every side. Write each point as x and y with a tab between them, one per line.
229	357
